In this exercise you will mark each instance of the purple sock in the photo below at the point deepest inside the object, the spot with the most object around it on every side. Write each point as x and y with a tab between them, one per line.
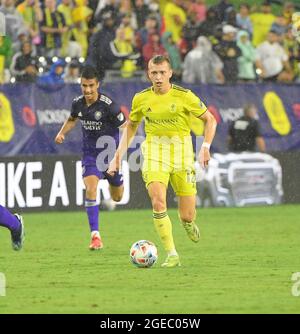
8	220
92	210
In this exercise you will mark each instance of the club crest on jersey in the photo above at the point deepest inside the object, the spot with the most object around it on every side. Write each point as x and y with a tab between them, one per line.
98	115
173	107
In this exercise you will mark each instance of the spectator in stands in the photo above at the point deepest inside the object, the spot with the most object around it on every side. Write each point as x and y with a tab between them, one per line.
207	27
72	72
100	54
125	10
32	15
174	55
23	36
141	11
221	9
55	75
53	27
202	65
103	53
246	62
280	25
110	8
288	11
229	52
14	21
81	14
24	65
292	48
128	31
174	18
230	17
272	60
124	46
190	33
65	8
262	22
142	36
245	133
5	55
153	48
243	19
199	8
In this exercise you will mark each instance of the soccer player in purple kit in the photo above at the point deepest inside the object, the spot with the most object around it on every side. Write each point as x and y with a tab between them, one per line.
99	116
14	223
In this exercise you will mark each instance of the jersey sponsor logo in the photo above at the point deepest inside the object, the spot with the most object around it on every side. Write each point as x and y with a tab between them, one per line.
162	121
106	99
120	117
98	115
173	108
91	125
80	114
149	110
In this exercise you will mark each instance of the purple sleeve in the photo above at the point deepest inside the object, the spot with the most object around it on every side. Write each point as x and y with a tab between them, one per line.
117	117
74	110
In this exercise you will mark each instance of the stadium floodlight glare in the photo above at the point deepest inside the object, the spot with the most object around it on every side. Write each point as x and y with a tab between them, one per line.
68	59
54	59
12	79
41	70
81	59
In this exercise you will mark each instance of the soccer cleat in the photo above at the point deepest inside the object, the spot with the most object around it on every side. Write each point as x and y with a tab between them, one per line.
192	231
96	243
18	237
171	262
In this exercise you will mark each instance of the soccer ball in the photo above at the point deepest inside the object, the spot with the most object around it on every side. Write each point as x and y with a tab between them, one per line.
143	254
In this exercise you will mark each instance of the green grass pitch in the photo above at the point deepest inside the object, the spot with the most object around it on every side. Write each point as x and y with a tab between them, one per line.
243	264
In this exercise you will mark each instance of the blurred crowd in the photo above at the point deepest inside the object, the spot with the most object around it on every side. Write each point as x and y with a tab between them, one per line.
49	41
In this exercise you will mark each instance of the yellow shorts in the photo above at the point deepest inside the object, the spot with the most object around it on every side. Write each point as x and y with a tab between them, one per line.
162	164
182	182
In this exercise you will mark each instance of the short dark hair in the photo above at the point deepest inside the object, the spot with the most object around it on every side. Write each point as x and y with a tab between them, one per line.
89	72
159	59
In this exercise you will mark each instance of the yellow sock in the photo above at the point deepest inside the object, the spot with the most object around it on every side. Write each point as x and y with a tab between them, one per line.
163	227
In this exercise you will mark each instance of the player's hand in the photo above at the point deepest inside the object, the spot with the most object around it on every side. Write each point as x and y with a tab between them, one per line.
60	138
114	166
204	157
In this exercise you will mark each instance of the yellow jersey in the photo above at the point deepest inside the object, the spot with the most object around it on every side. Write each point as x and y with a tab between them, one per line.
169	114
261	26
170	11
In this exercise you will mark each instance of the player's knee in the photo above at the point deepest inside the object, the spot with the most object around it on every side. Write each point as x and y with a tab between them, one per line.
159	204
187	216
91	192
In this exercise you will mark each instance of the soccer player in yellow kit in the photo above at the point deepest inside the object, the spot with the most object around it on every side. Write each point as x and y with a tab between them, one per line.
168	111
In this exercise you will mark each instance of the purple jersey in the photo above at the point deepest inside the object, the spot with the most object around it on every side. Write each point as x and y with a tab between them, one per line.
102	118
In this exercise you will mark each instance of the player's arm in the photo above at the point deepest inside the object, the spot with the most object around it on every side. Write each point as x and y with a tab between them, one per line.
260	142
126	139
209	134
67	127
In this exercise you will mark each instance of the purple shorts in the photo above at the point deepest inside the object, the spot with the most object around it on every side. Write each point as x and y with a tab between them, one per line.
90	168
